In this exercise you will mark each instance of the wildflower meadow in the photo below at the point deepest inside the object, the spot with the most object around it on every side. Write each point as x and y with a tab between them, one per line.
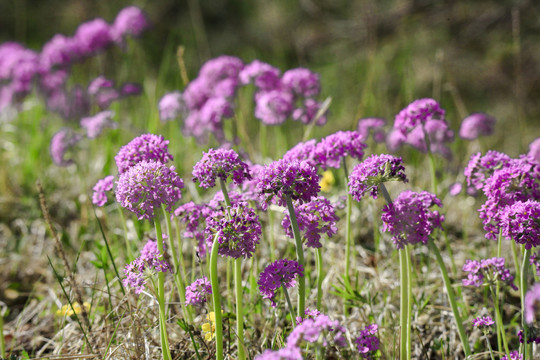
171	189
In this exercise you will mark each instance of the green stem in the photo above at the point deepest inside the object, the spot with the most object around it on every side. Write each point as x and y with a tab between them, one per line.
516	262
409	299
320	278
347	224
499	320
403	305
180	274
527	353
299	256
272	235
289	304
431	161
124	227
2	340
225	192
161	296
489	346
239	308
451	298
216	297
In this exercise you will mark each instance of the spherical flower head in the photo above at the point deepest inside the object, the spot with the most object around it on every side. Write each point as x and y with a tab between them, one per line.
475	125
483	321
534	151
409	219
487	271
303	151
532	296
93	36
238	231
375	170
314	218
139	270
58	52
129	21
98	84
95	124
99	198
308	314
395	140
218	201
143	188
197	292
417	113
480	168
309	112
438	132
214	111
282	272
61	143
130	89
264	76
302	81
521	223
171	106
193	215
333	148
514	355
274	107
455	189
222	164
221	68
372	124
321	330
145	147
368	342
150	253
282	178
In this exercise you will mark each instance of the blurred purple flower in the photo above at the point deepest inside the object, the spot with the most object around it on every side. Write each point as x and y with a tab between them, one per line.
475	125
95	124
61	143
101	188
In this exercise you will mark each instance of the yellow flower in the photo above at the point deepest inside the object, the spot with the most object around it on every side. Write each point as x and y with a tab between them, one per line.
66	310
327	181
209	328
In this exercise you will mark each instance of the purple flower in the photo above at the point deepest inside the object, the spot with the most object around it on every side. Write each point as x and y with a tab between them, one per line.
331	149
303	151
145	147
144	187
94	125
279	273
129	21
475	125
302	82
220	163
265	76
273	107
514	355
438	133
321	330
218	201
480	168
238	231
534	260
98	84
282	178
221	68
521	223
309	314
374	124
99	197
193	215
534	151
487	270
375	170
455	189
483	321
59	52
417	113
171	106
409	219
61	143
395	139
138	270
93	36
368	342
314	218
281	354
196	292
129	89
309	111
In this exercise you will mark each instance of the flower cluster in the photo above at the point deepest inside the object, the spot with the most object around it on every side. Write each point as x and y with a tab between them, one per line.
146	147
409	219
279	273
314	218
171	106
532	338
376	125
308	314
209	328
331	149
61	143
480	168
303	151
95	124
192	216
532	296
143	188
368	342
99	197
475	125
221	164
197	292
282	178
418	113
489	270
514	355
534	151
534	260
483	321
376	169
238	231
139	269
521	222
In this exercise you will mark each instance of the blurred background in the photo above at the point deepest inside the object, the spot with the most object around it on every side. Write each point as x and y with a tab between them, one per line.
374	57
